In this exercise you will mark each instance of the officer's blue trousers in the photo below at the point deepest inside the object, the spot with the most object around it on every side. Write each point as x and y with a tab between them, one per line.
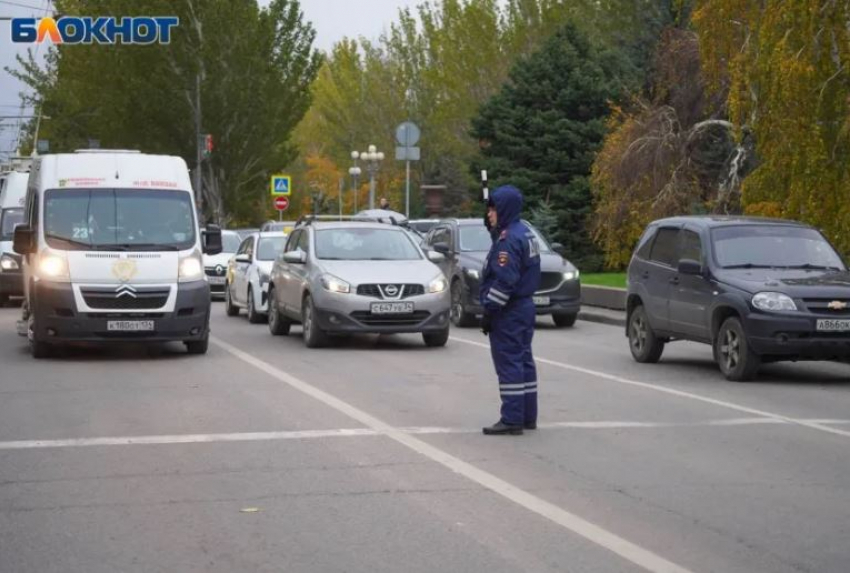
510	345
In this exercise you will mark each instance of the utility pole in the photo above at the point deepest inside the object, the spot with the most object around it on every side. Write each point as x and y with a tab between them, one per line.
198	143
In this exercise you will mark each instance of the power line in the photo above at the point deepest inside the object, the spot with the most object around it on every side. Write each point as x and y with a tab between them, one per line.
31	7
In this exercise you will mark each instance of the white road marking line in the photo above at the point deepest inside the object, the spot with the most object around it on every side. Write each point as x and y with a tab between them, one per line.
593	533
366	432
814	425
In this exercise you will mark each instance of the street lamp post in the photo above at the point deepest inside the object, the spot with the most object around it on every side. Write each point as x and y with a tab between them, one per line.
373	159
355	172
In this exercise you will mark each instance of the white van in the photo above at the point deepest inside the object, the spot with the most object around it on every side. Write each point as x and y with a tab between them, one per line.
112	252
13	192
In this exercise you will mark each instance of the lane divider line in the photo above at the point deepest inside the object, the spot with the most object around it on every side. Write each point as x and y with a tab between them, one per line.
811	424
602	537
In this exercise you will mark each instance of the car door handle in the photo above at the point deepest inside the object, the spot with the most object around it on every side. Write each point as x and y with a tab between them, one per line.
674	281
644	275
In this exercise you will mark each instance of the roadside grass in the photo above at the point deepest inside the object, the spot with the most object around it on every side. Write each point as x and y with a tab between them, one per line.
617	280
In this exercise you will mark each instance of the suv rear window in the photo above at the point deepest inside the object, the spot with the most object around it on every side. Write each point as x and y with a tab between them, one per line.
665	247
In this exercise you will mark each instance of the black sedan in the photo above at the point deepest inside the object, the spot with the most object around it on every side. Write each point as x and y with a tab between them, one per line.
466	242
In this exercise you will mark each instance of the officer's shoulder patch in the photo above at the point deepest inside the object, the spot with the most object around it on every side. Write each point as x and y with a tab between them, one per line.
503	258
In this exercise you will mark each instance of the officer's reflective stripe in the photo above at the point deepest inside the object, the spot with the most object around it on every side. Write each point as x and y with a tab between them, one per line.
499	294
531	387
496	300
511	386
513	393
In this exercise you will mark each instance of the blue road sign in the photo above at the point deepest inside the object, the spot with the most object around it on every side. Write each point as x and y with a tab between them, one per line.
281	185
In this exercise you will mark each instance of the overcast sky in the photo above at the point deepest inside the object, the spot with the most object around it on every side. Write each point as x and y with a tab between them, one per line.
332	19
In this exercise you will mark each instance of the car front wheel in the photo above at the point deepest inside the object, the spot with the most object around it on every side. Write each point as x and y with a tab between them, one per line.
229	308
646	347
254	317
563	319
733	353
313	335
435	339
460	317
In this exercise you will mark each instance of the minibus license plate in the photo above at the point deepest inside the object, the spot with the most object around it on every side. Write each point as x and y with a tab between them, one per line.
833	325
129	325
392	307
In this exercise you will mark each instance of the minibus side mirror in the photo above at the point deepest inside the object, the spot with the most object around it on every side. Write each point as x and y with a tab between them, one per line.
212	240
24	240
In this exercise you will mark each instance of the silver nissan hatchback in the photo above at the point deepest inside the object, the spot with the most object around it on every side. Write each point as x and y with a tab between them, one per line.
346	277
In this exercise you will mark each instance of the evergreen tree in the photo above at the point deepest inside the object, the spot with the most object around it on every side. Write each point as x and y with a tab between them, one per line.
543	129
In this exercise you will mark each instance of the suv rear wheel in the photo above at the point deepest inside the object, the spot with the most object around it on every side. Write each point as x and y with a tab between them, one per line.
733	353
278	324
229	308
646	347
254	317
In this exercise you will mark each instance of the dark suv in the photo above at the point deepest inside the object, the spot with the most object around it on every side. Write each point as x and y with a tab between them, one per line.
465	244
757	290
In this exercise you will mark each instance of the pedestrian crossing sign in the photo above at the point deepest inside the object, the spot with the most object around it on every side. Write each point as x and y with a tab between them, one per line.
281	185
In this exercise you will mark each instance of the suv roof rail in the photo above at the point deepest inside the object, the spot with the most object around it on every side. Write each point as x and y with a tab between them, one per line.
305	220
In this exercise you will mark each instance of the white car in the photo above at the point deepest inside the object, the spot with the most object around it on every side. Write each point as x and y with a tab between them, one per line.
247	280
215	266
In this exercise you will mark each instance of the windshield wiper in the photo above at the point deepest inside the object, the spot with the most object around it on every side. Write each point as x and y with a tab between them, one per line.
813	267
144	247
71	242
749	266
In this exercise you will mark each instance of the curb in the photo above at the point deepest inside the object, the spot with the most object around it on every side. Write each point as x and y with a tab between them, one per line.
609	318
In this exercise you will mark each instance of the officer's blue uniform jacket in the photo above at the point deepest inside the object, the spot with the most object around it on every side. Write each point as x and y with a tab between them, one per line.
510	277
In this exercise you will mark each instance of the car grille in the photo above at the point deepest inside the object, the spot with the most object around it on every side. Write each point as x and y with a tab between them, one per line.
550	281
375	290
821	306
212	272
140	300
367	318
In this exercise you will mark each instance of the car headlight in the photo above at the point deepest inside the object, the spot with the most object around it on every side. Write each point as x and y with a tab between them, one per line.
773	301
191	268
439	284
335	284
53	267
571	275
8	263
472	273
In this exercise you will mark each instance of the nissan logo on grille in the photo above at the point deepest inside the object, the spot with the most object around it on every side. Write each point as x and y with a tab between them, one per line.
391	290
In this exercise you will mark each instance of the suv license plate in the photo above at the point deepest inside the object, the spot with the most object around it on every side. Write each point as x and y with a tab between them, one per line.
129	325
392	308
541	300
832	325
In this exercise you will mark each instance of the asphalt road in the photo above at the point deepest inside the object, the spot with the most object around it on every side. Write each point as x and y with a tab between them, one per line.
367	456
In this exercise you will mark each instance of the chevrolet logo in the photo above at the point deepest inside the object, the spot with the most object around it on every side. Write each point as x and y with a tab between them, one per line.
837	305
125	290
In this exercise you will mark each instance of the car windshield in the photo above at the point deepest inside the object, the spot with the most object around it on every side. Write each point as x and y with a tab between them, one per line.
365	244
779	246
230	242
270	248
119	219
477	238
8	220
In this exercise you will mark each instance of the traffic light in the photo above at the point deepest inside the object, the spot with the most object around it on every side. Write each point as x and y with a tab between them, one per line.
208	144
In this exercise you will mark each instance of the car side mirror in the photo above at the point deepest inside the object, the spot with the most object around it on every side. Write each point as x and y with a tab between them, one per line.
243	258
442	248
690	267
558	248
212	240
24	240
436	257
298	257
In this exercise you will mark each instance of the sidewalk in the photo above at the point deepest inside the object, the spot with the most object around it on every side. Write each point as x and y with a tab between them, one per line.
602	315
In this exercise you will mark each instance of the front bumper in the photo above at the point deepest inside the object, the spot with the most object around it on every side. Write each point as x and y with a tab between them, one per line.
57	320
566	299
351	313
11	283
213	276
788	337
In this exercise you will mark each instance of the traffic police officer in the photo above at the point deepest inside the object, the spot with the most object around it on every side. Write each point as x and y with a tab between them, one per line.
510	277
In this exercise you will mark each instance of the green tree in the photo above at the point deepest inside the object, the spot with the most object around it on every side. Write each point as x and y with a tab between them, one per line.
542	130
255	66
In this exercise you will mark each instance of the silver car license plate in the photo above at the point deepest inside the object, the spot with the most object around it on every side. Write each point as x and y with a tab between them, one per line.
541	300
392	308
129	325
833	325
216	280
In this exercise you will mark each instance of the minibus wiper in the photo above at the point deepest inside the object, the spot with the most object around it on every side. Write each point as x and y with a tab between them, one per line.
72	242
145	247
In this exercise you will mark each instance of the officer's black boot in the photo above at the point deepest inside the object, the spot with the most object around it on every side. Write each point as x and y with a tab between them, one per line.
500	429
